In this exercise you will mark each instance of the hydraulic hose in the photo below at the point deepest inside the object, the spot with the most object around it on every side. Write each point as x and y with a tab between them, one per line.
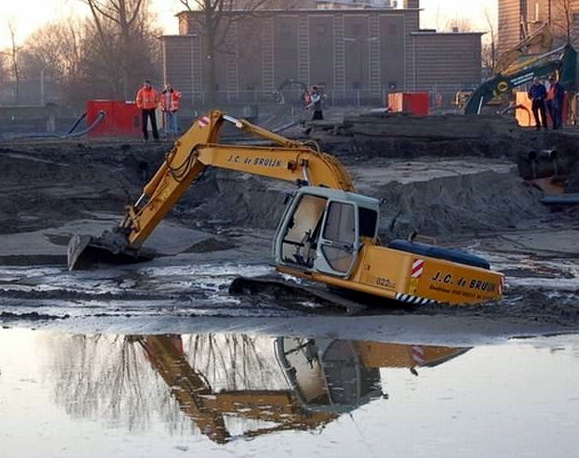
100	118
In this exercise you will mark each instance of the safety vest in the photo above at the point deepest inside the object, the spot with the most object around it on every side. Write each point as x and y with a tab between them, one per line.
147	98
170	100
555	92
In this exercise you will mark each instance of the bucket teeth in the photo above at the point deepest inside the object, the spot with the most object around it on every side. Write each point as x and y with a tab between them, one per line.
87	252
76	247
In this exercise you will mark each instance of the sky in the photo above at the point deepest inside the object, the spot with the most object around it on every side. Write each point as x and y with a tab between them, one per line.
28	15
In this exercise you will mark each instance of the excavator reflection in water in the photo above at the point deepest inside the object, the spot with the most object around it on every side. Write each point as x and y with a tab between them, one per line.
325	379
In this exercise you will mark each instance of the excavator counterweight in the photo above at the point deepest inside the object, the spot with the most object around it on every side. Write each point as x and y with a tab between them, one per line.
328	233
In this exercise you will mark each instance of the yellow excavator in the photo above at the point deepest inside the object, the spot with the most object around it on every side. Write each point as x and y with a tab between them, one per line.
325	379
327	234
537	43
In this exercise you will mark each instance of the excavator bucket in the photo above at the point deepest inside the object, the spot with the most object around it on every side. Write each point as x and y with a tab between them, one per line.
87	252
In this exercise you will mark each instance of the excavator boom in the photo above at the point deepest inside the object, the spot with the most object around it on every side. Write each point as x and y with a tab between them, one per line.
292	161
537	43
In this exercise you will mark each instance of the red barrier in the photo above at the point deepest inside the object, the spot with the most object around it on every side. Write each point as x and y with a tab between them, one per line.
122	118
416	103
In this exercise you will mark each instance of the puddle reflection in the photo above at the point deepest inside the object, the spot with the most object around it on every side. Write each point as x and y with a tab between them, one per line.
240	395
323	378
229	385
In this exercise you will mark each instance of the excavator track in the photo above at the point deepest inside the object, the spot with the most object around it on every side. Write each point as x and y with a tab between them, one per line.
293	295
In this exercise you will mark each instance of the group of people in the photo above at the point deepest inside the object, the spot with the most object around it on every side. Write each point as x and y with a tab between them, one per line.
545	100
148	100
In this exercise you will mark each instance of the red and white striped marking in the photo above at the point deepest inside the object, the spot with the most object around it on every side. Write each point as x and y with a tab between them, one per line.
502	285
416	300
417	268
418	354
203	121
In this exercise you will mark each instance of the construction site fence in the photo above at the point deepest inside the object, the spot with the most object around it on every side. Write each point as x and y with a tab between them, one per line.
440	97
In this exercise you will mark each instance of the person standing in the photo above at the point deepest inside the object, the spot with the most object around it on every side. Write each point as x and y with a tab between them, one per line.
555	102
148	100
170	103
538	93
316	104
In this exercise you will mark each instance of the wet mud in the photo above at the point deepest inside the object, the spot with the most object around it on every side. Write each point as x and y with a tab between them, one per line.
480	204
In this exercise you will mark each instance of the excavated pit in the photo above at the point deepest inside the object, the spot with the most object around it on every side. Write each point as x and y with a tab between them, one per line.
479	200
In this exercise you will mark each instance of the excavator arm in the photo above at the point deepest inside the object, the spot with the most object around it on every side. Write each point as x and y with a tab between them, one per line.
288	83
199	148
561	60
537	43
209	408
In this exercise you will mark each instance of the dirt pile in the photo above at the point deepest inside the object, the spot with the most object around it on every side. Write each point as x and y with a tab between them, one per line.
47	183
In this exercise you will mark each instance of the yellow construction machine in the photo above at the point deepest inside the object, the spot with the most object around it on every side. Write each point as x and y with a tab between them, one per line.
534	44
328	233
325	378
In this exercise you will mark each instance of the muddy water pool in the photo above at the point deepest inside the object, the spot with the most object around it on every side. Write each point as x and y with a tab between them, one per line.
238	395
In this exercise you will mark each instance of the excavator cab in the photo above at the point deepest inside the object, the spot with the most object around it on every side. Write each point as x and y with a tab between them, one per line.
323	229
327	375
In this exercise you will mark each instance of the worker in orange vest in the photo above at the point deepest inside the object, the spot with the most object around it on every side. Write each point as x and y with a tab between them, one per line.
170	102
555	101
148	100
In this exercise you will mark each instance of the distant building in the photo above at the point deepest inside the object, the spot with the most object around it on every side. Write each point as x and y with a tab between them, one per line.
352	52
319	4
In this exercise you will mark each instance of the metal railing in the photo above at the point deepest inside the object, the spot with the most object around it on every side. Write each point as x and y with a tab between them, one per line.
441	97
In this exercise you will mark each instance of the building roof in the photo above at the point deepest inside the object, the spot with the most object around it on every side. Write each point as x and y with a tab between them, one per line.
434	32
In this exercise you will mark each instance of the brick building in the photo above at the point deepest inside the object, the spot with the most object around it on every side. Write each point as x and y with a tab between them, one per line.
350	51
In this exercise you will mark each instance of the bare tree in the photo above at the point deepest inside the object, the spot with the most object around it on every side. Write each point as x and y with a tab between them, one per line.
3	74
14	58
562	16
214	23
459	25
489	49
122	32
55	52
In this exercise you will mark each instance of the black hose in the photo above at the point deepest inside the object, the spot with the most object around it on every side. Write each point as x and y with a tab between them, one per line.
76	123
100	118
